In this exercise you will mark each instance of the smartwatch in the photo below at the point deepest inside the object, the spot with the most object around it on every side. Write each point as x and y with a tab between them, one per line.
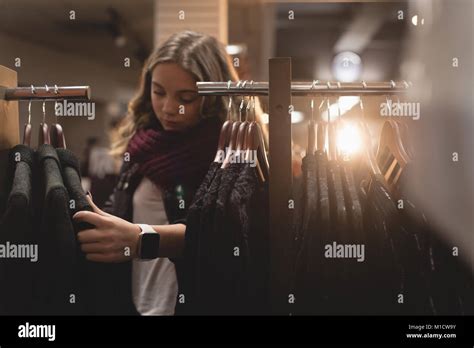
148	243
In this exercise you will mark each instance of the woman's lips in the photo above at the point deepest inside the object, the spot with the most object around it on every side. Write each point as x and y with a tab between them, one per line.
171	125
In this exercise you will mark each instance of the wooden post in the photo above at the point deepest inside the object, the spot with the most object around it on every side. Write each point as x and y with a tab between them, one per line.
280	182
9	126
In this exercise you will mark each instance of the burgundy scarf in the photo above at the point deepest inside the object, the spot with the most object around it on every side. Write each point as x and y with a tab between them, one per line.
169	158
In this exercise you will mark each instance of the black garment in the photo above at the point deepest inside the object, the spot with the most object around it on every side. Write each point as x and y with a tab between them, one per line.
222	246
120	204
450	286
306	288
396	258
356	277
17	227
104	289
206	267
56	284
248	223
227	243
191	252
340	296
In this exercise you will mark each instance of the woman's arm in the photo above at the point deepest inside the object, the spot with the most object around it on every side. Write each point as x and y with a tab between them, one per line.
115	240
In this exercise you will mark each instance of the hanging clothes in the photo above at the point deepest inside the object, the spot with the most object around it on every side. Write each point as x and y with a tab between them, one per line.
17	228
56	283
101	288
226	238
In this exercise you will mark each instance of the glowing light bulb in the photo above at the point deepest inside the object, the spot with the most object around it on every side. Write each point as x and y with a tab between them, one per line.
348	139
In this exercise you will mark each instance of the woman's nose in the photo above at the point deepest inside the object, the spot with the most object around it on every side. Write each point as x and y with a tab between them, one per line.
170	106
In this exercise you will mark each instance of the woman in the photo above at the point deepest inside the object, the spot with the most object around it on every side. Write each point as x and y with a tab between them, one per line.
168	140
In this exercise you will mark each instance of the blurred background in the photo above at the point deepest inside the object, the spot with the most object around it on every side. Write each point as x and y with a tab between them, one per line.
327	40
90	50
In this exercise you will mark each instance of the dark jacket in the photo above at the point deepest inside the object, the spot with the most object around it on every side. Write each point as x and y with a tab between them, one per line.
104	289
16	227
176	199
56	281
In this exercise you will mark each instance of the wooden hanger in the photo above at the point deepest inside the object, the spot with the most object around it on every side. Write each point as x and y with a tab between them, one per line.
232	144
255	143
406	142
27	128
367	143
312	127
242	133
224	137
43	134
391	156
225	134
56	133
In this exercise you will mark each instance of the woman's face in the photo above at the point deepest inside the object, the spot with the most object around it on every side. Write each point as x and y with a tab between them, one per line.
174	97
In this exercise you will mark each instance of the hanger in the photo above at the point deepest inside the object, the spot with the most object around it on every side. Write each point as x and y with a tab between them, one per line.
232	140
312	126
43	134
255	144
242	134
405	135
367	141
56	133
391	155
224	135
27	128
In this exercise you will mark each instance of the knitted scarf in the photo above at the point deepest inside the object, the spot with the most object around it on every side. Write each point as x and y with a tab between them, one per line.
169	158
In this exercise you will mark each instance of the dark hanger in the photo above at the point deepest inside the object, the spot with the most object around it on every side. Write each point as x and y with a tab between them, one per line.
256	144
391	156
43	134
312	126
234	131
406	141
225	134
242	133
27	128
58	140
56	135
367	143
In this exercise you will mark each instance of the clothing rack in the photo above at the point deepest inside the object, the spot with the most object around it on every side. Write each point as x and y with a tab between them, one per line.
280	89
304	88
45	93
10	94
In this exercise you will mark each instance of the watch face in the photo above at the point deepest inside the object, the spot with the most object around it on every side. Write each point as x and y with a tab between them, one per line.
150	245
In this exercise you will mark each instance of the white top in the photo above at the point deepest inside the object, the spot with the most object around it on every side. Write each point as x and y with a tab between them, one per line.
154	282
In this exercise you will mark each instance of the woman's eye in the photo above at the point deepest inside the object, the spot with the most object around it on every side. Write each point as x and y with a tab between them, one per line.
159	92
188	98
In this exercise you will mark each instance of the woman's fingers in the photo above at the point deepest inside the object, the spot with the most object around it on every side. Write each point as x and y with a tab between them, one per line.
91	236
95	207
90	217
109	257
93	248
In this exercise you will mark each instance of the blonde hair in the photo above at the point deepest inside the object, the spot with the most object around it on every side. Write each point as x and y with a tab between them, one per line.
201	55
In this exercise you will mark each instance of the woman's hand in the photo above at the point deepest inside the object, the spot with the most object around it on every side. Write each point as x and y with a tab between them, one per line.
112	240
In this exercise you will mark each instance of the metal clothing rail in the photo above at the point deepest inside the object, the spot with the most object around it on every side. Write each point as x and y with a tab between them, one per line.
304	88
46	93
